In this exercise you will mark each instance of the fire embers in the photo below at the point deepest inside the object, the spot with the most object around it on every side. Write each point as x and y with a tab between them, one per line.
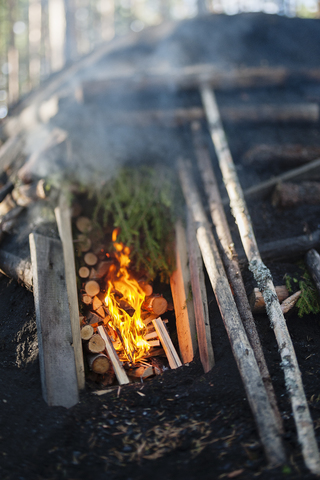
124	304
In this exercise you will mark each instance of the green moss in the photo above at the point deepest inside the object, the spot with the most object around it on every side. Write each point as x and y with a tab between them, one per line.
309	300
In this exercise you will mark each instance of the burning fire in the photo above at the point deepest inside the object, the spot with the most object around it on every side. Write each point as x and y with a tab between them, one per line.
124	299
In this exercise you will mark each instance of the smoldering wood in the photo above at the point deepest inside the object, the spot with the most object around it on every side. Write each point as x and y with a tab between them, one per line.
257	302
56	353
166	342
230	260
112	354
63	219
303	421
200	300
17	268
26	194
241	348
7	204
180	284
155	304
287	154
288	195
313	264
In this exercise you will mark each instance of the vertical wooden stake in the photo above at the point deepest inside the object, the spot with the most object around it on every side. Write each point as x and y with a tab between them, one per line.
182	299
199	296
56	355
63	217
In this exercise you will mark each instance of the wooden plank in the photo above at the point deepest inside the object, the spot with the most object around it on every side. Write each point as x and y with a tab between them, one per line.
63	218
112	354
181	287
172	356
200	301
56	354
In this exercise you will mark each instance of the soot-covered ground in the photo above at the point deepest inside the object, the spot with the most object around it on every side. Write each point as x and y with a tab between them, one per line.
183	423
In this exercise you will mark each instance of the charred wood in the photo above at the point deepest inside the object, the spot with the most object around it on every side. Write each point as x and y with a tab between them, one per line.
290	155
313	263
288	195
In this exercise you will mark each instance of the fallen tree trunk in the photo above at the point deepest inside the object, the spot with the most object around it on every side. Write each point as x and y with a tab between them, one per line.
17	268
287	155
231	264
242	351
288	195
263	278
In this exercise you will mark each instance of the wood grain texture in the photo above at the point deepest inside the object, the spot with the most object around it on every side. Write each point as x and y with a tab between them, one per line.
56	354
112	354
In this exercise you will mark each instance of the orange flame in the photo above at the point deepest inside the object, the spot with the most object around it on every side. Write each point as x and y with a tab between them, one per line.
129	329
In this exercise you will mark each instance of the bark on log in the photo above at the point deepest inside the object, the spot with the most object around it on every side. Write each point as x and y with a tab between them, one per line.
17	268
313	264
289	155
263	278
242	351
288	195
155	304
98	363
231	264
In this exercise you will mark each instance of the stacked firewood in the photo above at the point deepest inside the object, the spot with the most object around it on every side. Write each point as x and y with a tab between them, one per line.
95	264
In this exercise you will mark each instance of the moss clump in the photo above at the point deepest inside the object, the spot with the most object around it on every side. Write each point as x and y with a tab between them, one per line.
309	300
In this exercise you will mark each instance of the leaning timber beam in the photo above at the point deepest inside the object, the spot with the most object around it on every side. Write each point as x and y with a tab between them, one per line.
242	351
231	264
304	425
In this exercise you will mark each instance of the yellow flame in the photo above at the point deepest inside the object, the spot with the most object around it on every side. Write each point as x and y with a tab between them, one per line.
130	329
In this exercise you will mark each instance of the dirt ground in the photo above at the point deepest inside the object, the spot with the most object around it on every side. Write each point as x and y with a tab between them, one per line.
183	423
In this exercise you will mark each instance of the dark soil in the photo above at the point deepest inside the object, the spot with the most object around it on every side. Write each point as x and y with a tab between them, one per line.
183	423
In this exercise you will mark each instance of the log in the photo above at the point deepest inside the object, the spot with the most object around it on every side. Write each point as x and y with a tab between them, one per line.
289	155
84	224
90	259
288	195
86	332
146	287
92	288
313	264
63	218
96	303
26	194
103	269
117	365
263	189
242	350
95	344
17	268
7	188
155	304
56	353
257	302
84	272
83	243
286	248
183	305
94	319
86	299
141	372
9	220
98	363
7	204
299	112
166	342
200	300
290	302
303	421
229	257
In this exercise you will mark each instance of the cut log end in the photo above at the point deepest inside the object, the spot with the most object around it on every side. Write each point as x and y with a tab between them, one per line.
92	288
99	363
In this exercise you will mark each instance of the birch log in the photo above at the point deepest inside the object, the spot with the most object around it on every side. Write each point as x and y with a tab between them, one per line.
231	264
242	351
304	425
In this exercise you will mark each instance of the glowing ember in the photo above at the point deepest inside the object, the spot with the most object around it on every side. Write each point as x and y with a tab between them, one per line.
124	299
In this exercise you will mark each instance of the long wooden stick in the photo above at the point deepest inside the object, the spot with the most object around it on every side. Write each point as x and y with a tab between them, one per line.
242	351
263	278
112	354
63	218
231	264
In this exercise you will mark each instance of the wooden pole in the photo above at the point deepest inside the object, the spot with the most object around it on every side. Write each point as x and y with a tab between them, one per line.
263	278
231	264
242	351
63	218
199	296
